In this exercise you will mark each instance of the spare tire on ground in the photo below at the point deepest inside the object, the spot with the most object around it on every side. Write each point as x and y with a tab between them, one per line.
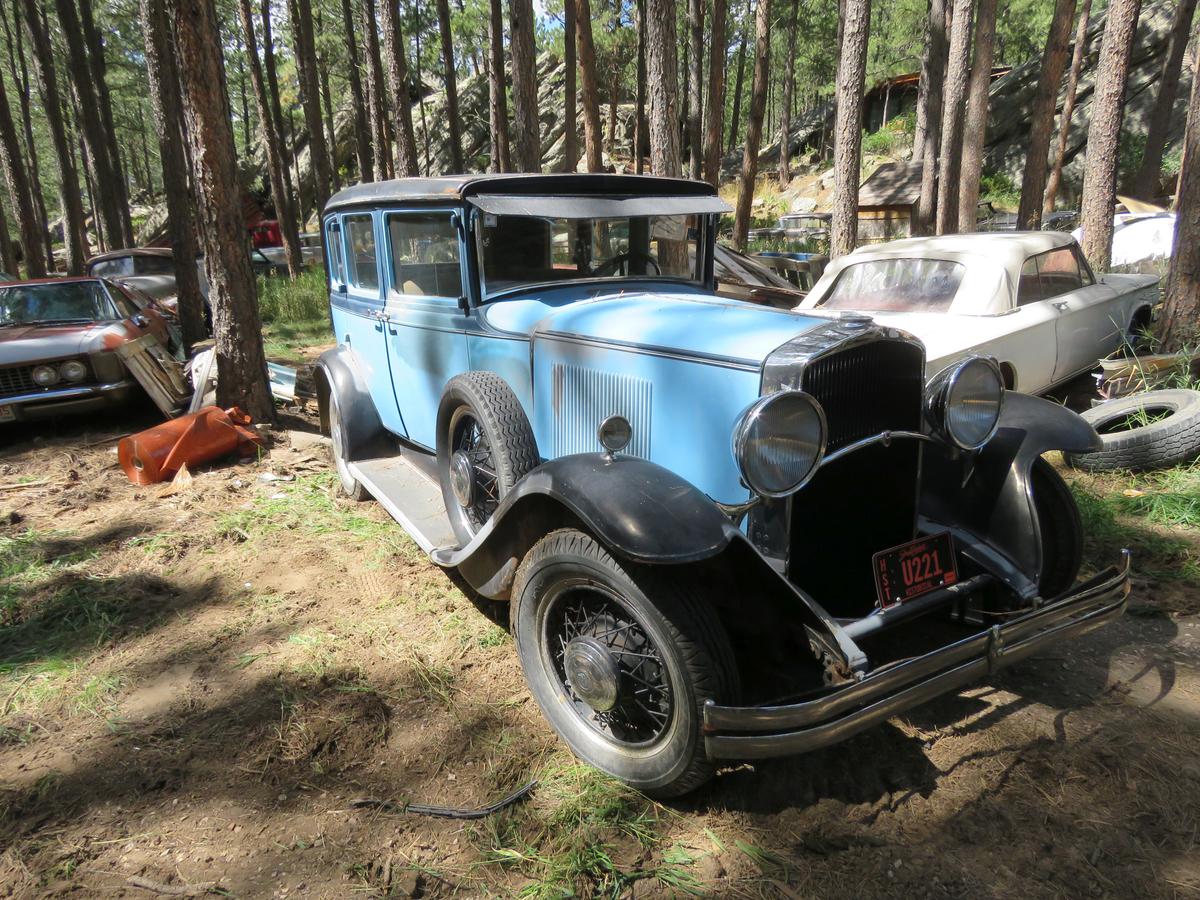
1150	430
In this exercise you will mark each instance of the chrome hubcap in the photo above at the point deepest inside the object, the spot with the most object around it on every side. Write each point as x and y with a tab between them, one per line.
594	673
462	479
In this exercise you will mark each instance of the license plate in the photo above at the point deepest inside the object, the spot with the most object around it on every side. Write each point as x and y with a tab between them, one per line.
7	414
915	568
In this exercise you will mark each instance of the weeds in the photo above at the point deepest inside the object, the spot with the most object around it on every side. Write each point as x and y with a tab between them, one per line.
306	299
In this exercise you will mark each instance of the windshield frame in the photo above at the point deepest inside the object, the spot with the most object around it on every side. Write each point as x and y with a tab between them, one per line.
114	309
702	278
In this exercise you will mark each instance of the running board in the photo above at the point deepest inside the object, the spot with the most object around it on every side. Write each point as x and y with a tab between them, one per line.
410	496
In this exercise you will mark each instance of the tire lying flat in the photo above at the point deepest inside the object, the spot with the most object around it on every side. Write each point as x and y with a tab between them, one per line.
1170	437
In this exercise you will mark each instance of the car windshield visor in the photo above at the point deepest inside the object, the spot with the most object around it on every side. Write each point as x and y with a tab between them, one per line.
896	285
76	301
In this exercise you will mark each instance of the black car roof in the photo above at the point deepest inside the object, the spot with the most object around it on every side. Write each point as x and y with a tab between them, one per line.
452	188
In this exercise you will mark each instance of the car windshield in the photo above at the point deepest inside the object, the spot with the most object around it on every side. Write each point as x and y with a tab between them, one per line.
519	251
73	301
896	285
153	265
108	268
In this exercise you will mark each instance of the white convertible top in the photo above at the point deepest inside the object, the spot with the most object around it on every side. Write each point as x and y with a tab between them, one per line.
992	261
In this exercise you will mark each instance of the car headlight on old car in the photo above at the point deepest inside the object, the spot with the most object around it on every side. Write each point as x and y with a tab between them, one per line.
965	401
73	370
45	376
779	441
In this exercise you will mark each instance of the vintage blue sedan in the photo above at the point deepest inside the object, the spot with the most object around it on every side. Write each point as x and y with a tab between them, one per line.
724	531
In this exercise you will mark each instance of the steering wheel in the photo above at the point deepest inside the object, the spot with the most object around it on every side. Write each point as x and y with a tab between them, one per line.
623	259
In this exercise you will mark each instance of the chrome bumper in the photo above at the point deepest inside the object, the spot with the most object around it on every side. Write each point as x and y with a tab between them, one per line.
74	392
765	731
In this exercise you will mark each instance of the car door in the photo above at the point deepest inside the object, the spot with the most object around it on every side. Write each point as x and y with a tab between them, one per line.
425	314
1029	342
356	296
1088	325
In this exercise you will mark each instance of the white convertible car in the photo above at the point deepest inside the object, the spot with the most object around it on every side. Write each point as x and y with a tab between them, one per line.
1027	298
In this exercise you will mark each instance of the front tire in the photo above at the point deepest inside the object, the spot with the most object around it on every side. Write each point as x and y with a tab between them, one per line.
350	486
1061	530
621	660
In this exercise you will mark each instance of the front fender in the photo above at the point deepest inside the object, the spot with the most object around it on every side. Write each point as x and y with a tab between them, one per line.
338	375
989	494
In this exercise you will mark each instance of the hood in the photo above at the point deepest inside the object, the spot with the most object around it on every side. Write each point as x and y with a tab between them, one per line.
692	324
31	343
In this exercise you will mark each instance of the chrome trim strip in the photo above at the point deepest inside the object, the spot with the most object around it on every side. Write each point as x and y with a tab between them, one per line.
728	362
884	437
72	393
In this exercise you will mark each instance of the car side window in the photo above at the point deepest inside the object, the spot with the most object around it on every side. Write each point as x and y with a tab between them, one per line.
424	254
1059	271
1085	271
337	272
1030	288
362	265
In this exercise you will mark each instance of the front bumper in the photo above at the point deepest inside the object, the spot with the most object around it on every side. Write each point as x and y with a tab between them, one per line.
732	732
67	400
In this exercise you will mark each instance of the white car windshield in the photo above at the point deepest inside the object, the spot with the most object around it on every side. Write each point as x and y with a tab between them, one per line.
896	285
519	251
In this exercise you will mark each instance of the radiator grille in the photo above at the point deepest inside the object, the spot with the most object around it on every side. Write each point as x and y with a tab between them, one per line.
16	380
583	398
868	389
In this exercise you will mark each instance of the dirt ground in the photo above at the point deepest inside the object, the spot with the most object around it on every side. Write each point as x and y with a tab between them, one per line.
194	688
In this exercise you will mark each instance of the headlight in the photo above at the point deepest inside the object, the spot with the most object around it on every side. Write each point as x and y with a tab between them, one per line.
44	376
779	441
965	401
73	370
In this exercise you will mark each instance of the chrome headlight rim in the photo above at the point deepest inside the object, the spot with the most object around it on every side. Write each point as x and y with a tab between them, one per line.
44	376
75	365
742	434
942	385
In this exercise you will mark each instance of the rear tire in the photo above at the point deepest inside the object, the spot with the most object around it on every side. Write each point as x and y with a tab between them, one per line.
654	652
1160	444
349	485
1061	530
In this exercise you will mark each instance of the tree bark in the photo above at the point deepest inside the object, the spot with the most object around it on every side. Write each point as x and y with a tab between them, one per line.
975	127
284	211
527	155
497	90
362	135
950	153
396	54
17	179
163	76
74	223
714	113
590	94
662	77
8	259
1059	151
785	107
451	78
847	138
241	365
419	79
639	111
1104	135
376	101
304	48
570	88
1147	181
695	87
281	125
927	136
1179	322
758	105
738	83
1041	117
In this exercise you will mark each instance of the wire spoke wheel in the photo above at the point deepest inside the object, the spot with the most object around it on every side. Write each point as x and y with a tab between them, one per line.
478	489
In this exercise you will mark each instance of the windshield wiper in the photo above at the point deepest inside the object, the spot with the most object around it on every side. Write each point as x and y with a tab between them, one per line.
61	322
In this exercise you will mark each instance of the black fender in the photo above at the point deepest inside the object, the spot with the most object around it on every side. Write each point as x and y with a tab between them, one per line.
989	493
339	373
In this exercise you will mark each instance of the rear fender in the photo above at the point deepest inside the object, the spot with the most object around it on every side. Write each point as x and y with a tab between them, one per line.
338	374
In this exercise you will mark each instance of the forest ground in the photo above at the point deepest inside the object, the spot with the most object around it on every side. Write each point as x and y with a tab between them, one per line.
194	687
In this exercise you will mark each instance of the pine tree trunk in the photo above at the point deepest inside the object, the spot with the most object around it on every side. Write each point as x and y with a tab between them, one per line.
395	53
662	79
241	365
1104	135
958	68
281	130
590	95
527	149
330	125
1147	182
754	127
17	179
1041	116
8	259
847	138
927	136
74	228
695	88
419	78
497	90
163	76
362	135
304	48
738	84
640	141
376	100
455	123
91	124
1059	151
975	127
570	89
1179	322
785	108
714	113
284	212
243	100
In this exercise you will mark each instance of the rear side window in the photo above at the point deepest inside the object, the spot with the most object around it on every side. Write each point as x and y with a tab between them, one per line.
1030	290
424	249
362	264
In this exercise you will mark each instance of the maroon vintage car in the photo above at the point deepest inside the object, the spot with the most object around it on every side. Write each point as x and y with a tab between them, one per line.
70	345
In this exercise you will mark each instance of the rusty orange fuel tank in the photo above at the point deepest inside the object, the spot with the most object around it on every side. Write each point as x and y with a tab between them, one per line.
157	453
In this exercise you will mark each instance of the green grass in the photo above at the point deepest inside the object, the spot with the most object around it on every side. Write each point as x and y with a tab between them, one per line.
295	314
999	190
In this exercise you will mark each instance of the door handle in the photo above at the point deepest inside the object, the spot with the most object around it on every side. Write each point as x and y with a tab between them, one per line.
1060	305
